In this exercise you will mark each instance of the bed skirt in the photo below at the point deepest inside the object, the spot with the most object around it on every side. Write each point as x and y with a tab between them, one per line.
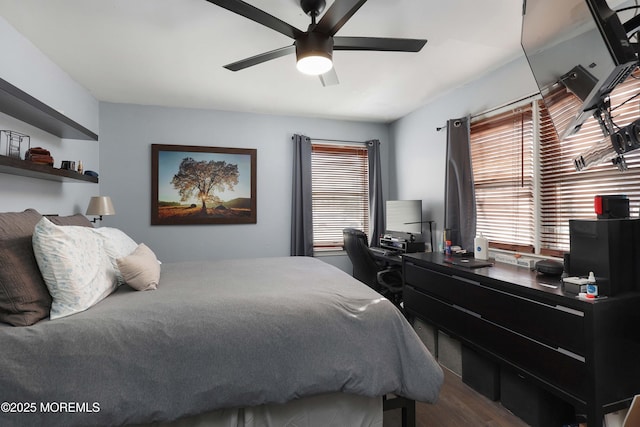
327	410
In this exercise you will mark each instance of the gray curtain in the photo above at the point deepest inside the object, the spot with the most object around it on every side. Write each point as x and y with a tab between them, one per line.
460	199
301	213
376	203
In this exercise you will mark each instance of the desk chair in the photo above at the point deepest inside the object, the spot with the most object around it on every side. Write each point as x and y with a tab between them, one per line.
383	279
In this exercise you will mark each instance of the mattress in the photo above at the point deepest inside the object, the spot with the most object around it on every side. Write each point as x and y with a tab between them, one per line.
214	335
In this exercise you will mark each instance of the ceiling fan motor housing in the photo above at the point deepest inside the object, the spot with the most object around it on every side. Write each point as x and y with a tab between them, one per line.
314	44
313	7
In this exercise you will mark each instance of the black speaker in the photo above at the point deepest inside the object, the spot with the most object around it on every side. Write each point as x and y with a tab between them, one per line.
611	249
549	267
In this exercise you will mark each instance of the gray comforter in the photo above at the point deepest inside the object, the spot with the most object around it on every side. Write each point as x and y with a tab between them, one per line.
214	335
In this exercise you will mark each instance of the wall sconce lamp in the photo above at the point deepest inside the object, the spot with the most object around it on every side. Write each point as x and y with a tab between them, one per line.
100	205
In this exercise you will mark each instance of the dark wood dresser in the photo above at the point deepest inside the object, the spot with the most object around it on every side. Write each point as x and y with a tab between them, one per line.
585	352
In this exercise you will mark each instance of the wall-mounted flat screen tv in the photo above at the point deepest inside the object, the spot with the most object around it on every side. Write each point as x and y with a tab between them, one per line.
578	52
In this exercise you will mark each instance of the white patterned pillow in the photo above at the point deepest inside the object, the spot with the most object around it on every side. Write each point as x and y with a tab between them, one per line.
74	265
117	245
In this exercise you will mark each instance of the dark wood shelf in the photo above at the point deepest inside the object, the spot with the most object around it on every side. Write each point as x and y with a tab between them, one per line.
39	171
24	107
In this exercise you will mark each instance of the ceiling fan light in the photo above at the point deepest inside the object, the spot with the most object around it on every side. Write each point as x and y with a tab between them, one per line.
314	53
314	65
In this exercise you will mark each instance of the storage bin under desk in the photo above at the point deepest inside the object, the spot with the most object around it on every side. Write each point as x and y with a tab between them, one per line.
535	406
480	373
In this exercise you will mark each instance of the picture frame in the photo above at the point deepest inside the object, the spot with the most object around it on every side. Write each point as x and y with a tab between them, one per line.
193	184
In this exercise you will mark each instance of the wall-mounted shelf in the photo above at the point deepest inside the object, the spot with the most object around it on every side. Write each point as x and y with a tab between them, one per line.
19	104
36	170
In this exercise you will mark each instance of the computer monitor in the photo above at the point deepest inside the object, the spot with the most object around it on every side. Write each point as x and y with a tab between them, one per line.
404	216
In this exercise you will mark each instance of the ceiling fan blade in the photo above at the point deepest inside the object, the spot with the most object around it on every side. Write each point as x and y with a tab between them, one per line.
330	78
259	16
337	15
259	59
378	43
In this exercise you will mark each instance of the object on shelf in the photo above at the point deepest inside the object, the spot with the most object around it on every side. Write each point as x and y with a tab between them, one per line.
69	165
13	142
91	173
41	171
39	155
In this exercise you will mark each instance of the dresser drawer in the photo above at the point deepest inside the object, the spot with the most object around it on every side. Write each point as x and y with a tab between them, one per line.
555	325
565	370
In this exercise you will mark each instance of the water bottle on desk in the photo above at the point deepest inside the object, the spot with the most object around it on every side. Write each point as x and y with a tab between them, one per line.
481	247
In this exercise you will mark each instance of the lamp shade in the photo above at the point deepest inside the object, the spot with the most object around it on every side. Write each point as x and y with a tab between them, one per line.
314	54
100	205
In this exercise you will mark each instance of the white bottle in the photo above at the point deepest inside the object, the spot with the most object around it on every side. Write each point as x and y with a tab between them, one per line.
481	247
592	288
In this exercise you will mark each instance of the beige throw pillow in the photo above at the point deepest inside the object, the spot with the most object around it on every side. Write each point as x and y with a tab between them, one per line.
141	269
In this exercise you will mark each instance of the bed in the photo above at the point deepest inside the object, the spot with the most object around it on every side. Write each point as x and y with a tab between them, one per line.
269	341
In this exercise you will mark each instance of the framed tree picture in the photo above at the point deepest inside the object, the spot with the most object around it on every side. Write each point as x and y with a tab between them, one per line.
202	185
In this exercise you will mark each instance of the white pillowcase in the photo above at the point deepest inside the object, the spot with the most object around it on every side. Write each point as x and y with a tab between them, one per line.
75	266
117	245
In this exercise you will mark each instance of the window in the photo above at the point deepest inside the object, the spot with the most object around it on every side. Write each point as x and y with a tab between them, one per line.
502	161
527	187
567	194
340	192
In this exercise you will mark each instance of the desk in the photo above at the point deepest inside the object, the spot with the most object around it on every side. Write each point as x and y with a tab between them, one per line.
391	260
584	352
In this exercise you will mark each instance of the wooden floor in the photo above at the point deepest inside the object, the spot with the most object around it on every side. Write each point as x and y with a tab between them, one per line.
458	406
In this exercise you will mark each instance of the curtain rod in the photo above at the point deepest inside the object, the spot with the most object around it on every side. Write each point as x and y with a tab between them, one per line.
338	140
438	129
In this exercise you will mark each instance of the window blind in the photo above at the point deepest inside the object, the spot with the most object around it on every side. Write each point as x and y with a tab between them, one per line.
502	161
340	187
567	194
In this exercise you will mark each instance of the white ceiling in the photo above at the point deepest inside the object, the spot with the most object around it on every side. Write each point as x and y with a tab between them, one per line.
171	53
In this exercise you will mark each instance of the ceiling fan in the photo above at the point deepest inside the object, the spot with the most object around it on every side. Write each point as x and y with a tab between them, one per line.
314	47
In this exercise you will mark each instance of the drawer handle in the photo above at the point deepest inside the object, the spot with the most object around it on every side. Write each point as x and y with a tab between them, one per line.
569	310
547	285
465	310
571	354
464	279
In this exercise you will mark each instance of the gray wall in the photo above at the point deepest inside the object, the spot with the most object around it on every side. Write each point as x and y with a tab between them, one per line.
27	68
418	156
413	154
126	135
122	158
